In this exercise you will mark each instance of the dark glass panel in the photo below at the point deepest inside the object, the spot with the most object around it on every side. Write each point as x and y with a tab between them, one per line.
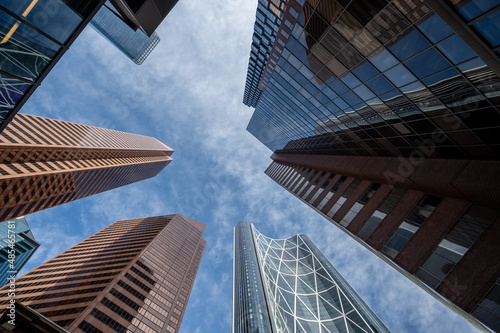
380	85
427	63
456	50
489	28
435	29
475	8
409	45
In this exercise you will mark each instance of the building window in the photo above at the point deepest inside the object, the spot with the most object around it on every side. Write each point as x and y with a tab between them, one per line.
322	187
332	191
347	193
359	204
452	248
385	207
410	225
488	310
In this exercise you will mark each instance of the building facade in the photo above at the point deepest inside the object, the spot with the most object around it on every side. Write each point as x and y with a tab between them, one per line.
288	285
382	117
46	162
447	245
17	245
135	44
33	37
134	275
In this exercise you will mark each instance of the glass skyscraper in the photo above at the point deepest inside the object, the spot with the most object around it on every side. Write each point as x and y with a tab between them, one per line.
288	285
135	44
24	245
383	117
377	78
33	36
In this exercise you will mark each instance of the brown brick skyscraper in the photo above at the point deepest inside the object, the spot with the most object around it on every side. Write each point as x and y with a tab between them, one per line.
46	162
133	275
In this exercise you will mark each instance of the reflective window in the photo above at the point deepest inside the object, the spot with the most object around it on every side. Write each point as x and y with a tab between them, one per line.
427	63
359	204
380	85
488	310
332	191
53	17
384	60
435	28
24	52
313	186
409	45
477	7
451	249
321	188
410	225
365	71
399	75
347	193
456	50
11	91
489	28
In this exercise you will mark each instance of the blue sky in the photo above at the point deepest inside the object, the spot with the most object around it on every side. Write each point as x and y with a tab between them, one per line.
188	94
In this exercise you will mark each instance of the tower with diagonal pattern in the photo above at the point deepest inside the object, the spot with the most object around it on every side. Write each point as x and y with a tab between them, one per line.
288	285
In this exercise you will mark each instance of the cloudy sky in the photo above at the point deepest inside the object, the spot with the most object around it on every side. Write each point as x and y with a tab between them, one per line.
188	94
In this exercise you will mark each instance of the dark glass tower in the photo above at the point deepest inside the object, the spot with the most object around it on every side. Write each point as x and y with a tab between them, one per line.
134	43
382	116
288	285
33	37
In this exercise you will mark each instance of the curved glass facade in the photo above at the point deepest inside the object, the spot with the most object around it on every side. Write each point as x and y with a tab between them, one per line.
302	289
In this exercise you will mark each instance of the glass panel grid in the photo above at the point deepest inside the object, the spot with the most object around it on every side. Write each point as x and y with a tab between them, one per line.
304	295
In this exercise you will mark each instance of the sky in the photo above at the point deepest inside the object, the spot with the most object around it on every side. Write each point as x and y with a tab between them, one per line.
188	94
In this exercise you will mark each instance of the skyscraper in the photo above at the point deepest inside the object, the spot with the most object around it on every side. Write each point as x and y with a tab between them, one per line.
132	275
288	285
382	116
17	245
135	44
33	37
46	162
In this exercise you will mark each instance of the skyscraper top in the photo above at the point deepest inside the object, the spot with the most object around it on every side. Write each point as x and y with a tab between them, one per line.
46	162
268	20
134	274
302	290
40	131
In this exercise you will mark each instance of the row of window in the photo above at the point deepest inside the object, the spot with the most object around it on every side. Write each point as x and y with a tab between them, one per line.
444	257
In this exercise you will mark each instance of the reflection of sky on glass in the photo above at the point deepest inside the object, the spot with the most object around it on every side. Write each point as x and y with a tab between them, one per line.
384	60
409	45
476	7
456	50
399	75
427	63
435	29
453	247
489	27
